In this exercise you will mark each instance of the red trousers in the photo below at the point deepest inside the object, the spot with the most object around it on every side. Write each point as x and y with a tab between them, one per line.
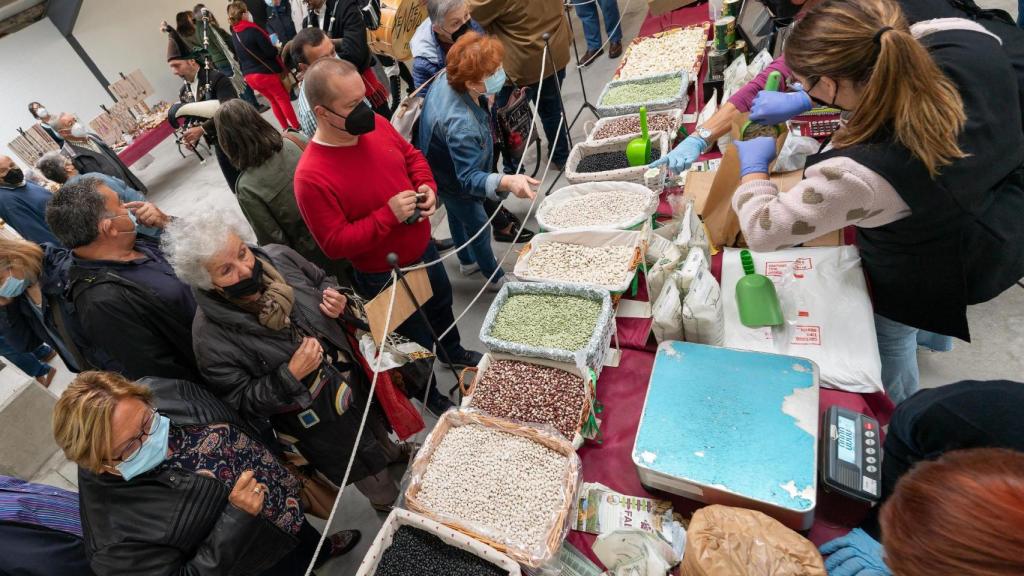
270	86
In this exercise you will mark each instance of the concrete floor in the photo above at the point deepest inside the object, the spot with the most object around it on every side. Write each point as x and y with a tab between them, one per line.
179	185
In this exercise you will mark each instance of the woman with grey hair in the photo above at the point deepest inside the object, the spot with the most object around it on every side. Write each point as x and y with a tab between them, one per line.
270	343
265	190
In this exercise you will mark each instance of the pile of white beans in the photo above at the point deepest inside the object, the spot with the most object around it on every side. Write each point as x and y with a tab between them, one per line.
507	484
670	52
597	209
602	265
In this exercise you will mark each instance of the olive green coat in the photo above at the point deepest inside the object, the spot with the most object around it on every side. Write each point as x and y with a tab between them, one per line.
267	198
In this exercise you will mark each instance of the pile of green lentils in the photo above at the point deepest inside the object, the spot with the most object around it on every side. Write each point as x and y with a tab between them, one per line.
547	321
642	92
414	552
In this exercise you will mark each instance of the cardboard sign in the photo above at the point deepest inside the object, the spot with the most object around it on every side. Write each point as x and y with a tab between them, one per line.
377	309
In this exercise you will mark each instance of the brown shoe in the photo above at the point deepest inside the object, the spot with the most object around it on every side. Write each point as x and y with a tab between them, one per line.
614	50
590	56
47	378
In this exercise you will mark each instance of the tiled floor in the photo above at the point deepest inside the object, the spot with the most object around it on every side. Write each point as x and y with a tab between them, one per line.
181	185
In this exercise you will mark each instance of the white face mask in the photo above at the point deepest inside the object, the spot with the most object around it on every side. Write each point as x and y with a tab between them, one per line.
247	17
42	113
78	130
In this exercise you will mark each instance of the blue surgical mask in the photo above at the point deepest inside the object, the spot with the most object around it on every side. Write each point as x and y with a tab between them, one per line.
131	216
13	287
495	82
152	452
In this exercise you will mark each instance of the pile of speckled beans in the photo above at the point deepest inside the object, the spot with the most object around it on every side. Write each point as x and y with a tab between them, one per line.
631	125
531	393
601	265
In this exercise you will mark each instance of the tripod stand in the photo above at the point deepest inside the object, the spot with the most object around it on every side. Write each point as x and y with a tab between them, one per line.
579	70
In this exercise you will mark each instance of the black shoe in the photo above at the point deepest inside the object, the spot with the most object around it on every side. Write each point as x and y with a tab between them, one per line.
614	50
338	544
589	57
444	245
525	236
437	403
466	358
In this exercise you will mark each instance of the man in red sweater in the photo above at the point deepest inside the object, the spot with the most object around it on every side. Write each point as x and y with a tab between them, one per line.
357	185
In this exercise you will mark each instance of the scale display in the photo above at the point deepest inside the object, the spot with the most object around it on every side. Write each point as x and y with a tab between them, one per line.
847	442
851	454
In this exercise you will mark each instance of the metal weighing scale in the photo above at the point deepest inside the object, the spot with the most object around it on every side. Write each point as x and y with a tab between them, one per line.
732	427
851	454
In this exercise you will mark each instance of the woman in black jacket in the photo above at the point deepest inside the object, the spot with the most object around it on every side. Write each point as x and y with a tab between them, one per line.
173	482
261	63
269	342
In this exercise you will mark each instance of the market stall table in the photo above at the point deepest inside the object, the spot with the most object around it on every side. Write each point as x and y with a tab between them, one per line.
145	143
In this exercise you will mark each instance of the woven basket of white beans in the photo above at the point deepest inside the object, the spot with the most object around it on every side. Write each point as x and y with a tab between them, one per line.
509	485
667	121
605	259
652	178
597	206
665	52
661	92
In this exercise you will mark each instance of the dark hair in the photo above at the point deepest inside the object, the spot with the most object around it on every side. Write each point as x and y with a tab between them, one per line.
32	107
75	211
185	26
244	136
961	514
311	36
317	81
53	166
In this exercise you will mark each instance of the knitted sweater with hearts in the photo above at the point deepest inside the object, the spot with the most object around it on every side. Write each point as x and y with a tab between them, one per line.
834	193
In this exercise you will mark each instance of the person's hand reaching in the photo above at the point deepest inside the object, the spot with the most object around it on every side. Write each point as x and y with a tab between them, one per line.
519	185
855	554
755	154
683	155
772	107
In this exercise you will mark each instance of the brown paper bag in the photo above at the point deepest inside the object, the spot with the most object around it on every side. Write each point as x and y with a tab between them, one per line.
739	542
721	221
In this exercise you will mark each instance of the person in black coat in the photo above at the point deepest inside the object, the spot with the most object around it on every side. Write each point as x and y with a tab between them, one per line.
23	203
125	295
269	342
172	481
261	63
90	153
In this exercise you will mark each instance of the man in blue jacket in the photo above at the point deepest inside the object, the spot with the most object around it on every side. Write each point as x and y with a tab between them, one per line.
23	204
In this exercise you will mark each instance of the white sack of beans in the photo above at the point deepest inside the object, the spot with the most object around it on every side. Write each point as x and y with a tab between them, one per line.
675	50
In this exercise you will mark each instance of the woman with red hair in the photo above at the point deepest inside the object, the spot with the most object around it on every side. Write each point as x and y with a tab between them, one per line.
455	137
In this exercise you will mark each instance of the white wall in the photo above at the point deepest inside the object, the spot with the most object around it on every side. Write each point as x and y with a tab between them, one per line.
39	64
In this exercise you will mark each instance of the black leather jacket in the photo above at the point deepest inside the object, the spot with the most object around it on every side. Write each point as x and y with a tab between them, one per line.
175	523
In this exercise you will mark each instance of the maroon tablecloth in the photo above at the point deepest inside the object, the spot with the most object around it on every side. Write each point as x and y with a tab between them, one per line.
145	143
622	389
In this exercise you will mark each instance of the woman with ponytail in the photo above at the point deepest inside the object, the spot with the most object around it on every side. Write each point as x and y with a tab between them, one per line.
930	175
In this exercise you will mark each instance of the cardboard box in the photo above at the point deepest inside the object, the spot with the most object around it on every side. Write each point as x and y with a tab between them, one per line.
659	7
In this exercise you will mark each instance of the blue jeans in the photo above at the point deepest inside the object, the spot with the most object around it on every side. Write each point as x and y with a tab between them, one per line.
465	217
897	346
587	11
438	308
29	362
550	111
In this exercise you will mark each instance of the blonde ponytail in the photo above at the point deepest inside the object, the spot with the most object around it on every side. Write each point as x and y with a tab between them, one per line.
868	42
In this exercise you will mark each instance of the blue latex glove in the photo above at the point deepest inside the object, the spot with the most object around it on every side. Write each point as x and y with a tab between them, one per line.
755	155
682	156
772	108
855	554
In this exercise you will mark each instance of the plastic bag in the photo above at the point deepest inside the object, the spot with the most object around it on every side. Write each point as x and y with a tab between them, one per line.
703	311
827	310
794	153
692	233
660	273
660	246
695	262
741	542
668	313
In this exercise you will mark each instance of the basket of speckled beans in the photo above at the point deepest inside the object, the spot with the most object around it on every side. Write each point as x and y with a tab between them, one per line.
662	92
567	323
667	121
507	484
605	160
534	390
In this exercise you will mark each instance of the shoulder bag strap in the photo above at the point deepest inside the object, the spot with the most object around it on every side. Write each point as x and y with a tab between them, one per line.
294	138
251	53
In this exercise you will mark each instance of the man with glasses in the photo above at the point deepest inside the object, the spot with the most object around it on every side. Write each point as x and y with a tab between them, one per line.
126	296
172	481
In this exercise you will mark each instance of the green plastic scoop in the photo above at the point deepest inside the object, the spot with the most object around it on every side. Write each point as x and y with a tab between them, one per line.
772	85
638	151
755	297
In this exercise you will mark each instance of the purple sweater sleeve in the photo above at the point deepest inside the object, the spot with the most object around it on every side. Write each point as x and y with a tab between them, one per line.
743	99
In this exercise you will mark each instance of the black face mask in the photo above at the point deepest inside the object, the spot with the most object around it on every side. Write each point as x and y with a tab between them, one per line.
14	176
361	120
247	287
460	31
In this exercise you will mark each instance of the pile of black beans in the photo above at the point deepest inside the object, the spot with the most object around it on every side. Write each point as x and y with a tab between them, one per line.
605	161
414	552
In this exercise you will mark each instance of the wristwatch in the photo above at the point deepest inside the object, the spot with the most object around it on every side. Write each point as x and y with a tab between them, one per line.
703	133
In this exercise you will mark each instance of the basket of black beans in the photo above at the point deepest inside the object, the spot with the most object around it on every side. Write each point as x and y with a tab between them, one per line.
605	160
411	545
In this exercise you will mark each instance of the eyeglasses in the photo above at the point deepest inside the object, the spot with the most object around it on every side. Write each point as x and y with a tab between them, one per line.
134	446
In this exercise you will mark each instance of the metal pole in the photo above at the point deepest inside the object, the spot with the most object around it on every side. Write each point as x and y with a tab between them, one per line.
558	87
579	70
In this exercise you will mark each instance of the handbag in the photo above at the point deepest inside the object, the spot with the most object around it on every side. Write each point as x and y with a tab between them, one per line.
407	116
287	78
513	125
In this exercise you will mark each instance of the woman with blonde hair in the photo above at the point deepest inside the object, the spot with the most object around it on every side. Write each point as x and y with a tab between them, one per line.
172	481
931	176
